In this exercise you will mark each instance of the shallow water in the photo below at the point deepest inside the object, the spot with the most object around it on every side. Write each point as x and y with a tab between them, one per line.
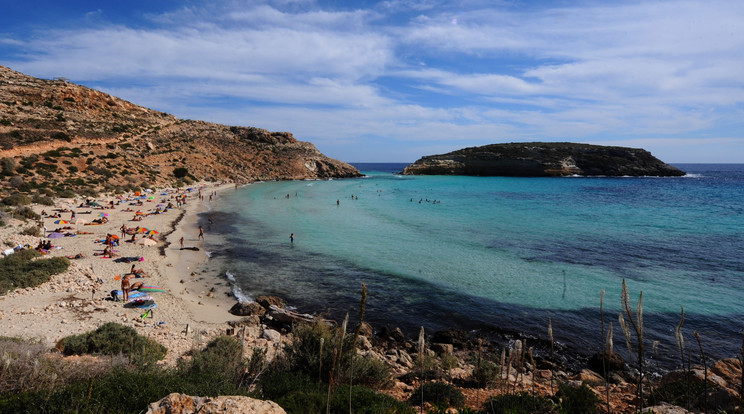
474	252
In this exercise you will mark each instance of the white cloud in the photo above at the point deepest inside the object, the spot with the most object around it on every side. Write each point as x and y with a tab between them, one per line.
409	72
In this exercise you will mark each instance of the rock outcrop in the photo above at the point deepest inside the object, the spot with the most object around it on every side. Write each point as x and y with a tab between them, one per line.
184	404
76	138
543	159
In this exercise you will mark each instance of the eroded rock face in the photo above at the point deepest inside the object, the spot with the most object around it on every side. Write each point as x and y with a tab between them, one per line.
184	404
543	159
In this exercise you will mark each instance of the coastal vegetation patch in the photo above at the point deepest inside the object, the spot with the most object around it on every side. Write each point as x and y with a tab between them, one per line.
111	339
25	269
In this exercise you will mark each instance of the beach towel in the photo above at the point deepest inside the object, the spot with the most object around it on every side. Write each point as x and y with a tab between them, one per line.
148	288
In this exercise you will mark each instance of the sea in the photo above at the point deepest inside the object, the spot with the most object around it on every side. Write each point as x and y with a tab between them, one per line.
499	253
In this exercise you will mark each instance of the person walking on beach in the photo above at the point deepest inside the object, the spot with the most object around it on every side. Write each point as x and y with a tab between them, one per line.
201	233
181	242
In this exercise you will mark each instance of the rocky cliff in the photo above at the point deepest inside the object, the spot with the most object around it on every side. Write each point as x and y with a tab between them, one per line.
543	159
75	138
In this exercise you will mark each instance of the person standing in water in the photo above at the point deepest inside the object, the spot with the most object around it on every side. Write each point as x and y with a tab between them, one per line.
291	238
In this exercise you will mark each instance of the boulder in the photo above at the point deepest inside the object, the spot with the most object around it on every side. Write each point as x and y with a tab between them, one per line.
268	301
271	335
442	349
458	338
184	404
247	309
604	362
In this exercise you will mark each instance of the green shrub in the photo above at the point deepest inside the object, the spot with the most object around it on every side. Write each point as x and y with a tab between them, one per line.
43	200
32	231
25	212
298	393
17	199
519	403
439	394
303	355
578	399
20	271
680	393
220	363
180	172
111	339
66	193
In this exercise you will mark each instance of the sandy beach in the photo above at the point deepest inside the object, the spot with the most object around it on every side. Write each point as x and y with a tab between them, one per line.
193	308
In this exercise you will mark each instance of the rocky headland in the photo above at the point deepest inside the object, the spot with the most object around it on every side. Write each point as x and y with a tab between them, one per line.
544	159
86	141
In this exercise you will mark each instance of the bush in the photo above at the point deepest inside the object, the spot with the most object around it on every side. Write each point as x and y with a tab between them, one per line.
32	231
680	393
20	271
26	213
17	199
303	355
578	399
8	165
43	200
180	172
519	403
298	393
439	394
111	339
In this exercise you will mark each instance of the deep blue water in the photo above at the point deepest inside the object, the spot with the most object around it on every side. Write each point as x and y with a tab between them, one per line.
479	252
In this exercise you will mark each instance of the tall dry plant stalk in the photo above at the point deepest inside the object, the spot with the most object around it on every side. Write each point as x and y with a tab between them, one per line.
637	324
552	355
421	347
320	363
740	357
705	371
605	339
358	328
479	367
681	346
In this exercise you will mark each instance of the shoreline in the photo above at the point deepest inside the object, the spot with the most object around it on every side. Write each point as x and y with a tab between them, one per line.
79	300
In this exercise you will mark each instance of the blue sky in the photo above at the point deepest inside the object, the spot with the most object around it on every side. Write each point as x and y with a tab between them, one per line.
395	80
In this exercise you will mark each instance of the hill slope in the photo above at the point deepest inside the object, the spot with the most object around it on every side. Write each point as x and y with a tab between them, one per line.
544	159
59	136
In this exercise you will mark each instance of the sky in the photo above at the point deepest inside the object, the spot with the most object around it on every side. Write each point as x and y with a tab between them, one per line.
392	81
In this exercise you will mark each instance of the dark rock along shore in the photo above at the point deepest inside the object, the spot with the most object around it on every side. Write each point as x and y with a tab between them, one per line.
544	159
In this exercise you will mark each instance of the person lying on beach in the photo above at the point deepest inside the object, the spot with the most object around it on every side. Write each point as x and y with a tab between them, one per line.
138	272
77	256
83	232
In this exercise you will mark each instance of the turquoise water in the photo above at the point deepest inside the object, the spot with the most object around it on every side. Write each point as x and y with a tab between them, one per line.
471	252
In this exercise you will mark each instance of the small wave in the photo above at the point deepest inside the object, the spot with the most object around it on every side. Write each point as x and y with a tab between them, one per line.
208	253
236	290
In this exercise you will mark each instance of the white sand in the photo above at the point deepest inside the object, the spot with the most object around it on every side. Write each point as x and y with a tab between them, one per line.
74	302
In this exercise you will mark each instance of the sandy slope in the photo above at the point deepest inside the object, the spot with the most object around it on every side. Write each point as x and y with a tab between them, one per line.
75	302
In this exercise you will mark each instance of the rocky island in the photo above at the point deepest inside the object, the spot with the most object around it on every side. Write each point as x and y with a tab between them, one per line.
544	159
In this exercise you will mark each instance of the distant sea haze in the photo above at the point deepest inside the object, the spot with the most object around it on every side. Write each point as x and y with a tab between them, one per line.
510	253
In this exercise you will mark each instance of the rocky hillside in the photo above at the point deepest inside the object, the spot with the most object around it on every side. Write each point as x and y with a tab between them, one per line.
543	159
58	137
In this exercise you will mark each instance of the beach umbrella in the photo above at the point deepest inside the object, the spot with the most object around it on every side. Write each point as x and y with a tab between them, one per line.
94	204
142	230
151	198
103	215
152	232
55	235
61	222
146	242
115	237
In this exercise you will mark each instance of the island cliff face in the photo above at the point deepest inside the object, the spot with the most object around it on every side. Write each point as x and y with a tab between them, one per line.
61	136
544	159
